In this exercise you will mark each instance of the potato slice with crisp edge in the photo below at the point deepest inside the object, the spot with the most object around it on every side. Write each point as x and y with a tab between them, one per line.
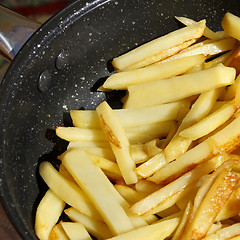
177	88
160	44
211	205
153	72
75	231
231	25
48	212
58	233
118	141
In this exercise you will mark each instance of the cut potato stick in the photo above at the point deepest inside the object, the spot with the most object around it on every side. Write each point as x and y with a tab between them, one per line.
121	80
153	200
206	49
207	32
201	108
214	200
160	44
151	166
118	141
209	123
58	233
157	231
231	90
67	190
48	212
234	60
224	140
231	25
95	227
89	144
129	117
75	231
160	56
176	88
225	233
179	231
82	169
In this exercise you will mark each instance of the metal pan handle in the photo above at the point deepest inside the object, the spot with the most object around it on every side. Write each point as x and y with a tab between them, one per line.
15	29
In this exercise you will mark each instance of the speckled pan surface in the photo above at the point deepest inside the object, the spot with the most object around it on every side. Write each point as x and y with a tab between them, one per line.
71	53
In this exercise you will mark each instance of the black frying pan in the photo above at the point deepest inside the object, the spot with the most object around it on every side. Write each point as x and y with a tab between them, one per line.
72	54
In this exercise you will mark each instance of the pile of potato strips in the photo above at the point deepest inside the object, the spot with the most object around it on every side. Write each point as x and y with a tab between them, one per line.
166	165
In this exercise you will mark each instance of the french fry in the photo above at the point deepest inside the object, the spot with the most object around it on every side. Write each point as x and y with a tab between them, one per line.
231	25
95	227
176	88
160	44
58	233
82	169
157	231
121	80
207	32
67	190
214	200
118	141
89	144
234	60
75	231
209	123
146	186
48	212
129	117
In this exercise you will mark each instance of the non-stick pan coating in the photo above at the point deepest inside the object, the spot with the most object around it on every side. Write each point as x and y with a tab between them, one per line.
72	51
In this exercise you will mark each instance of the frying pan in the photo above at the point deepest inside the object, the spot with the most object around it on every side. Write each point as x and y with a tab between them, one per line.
59	68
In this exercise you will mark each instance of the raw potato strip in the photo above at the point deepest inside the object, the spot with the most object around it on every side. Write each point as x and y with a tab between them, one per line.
226	140
148	204
207	32
48	212
82	169
121	80
118	141
231	25
206	49
214	200
201	108
160	56
160	44
176	88
75	231
209	123
157	231
129	117
95	227
225	233
67	190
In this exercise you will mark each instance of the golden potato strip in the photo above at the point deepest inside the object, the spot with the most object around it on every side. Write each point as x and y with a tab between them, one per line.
176	88
214	200
231	208
75	230
89	144
234	59
153	200
118	141
121	80
231	25
206	49
129	117
225	139
144	185
58	233
48	212
149	167
95	227
160	230
75	134
160	44
209	123
179	231
138	152
231	90
201	108
82	169
160	56
67	190
207	32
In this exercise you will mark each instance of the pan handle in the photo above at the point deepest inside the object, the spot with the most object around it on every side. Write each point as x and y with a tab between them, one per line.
15	29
